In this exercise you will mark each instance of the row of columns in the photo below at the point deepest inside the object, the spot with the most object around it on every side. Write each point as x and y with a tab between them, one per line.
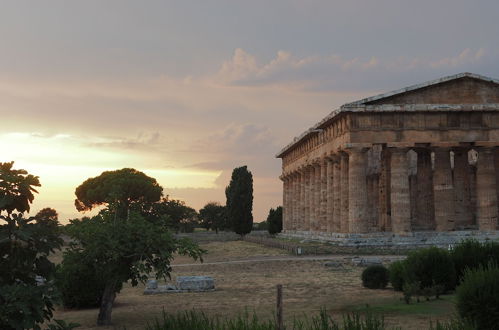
362	190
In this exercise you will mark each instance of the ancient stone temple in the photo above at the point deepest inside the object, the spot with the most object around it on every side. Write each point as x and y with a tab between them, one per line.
420	159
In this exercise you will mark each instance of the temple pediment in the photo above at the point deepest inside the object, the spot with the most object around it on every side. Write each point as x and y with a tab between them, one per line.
463	88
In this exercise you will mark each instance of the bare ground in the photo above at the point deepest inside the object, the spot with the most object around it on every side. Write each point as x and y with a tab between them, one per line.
308	287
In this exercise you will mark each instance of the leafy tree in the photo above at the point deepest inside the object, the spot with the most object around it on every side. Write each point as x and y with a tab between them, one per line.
239	194
48	215
125	251
274	220
430	267
120	190
121	243
213	216
263	225
16	189
24	248
177	216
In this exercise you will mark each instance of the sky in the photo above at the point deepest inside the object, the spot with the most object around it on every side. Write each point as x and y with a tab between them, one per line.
185	91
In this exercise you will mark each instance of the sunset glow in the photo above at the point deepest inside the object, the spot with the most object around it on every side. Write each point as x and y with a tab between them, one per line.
186	91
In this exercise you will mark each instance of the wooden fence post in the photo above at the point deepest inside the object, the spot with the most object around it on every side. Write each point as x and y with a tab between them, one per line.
280	325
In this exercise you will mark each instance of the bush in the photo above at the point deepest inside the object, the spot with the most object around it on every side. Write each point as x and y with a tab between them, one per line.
78	282
397	274
478	296
468	254
430	267
375	277
471	254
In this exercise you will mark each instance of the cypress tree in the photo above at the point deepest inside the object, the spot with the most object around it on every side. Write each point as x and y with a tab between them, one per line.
239	195
274	220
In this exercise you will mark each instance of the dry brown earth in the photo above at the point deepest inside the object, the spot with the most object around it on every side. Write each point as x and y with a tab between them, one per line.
308	286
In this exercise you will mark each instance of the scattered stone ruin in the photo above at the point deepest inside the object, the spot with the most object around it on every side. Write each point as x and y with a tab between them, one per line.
184	284
417	162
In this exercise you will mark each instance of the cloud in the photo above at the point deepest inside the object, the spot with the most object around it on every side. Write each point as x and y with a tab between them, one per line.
464	58
142	141
242	114
335	72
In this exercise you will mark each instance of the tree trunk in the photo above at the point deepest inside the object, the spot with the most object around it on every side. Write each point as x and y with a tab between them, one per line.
106	306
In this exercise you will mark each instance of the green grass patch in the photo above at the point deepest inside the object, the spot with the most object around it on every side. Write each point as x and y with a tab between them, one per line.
443	306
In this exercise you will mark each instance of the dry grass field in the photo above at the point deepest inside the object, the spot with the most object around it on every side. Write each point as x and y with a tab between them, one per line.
308	287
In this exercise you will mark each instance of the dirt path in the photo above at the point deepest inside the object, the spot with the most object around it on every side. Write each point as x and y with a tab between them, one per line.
346	258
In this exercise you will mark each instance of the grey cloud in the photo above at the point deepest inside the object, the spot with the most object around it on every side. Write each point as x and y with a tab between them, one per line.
322	73
240	144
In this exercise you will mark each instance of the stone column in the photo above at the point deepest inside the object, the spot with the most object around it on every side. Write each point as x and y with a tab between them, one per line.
443	190
323	197
486	190
425	213
296	218
336	196
303	220
330	196
496	166
306	201
399	187
292	202
358	217
462	200
385	191
285	202
317	196
374	223
311	200
344	193
473	159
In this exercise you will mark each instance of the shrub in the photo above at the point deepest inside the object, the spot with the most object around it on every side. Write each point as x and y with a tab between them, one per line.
468	254
431	266
78	282
397	274
375	277
471	254
478	296
411	289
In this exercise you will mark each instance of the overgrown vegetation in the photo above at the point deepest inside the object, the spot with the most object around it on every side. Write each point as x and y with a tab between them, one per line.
478	296
471	254
193	320
375	277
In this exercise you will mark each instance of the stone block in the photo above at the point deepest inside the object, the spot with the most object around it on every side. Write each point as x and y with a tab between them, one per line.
365	262
195	283
152	284
333	264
